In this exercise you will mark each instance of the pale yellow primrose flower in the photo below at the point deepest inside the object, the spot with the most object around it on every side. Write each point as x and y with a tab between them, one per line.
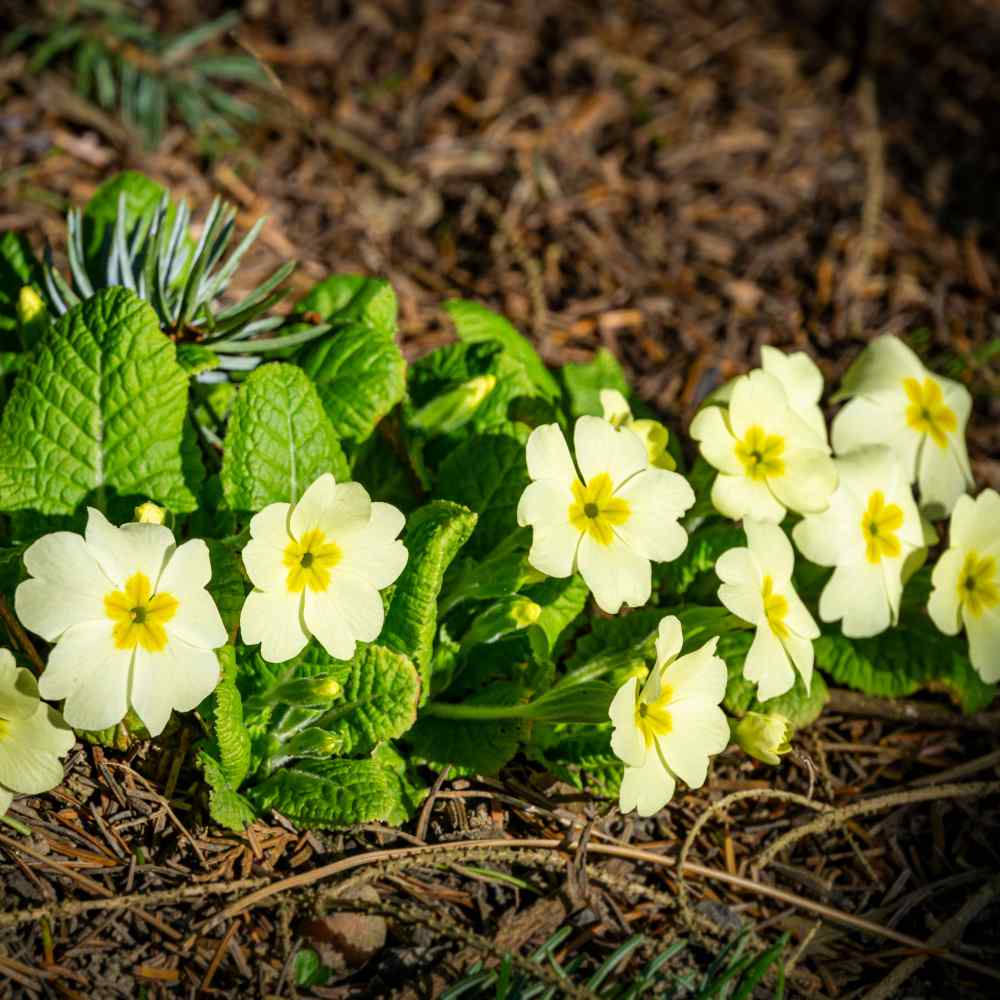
757	587
769	459
33	736
966	581
764	737
799	377
654	435
920	416
611	519
317	568
869	532
132	621
670	728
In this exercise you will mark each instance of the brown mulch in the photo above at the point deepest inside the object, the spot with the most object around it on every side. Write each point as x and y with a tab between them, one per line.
679	182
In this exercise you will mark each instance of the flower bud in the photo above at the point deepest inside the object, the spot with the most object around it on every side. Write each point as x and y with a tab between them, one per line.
303	692
32	315
507	615
452	409
655	436
764	737
149	513
313	742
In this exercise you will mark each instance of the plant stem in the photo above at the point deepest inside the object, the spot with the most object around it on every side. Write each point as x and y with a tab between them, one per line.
444	710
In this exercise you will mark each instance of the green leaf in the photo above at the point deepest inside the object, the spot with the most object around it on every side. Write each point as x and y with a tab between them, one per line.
279	440
905	659
434	534
385	473
228	585
142	196
479	747
379	701
101	405
408	787
800	707
358	369
227	807
331	794
231	737
487	473
582	703
584	383
195	359
581	756
474	323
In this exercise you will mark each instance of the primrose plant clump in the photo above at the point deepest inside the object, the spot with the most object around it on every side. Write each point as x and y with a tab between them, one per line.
342	573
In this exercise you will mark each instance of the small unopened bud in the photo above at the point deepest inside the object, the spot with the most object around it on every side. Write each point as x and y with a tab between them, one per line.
524	613
452	409
764	737
149	513
30	305
615	408
507	615
314	742
304	692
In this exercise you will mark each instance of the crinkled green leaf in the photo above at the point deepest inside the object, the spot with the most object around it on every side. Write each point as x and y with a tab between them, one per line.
409	788
902	660
584	383
487	473
279	440
379	701
479	747
561	601
386	474
581	756
228	586
474	323
225	804
231	737
101	406
358	369
330	794
434	534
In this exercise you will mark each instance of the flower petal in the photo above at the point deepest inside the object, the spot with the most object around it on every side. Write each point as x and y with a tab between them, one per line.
700	728
646	789
328	623
669	641
881	366
772	551
802	382
545	506
808	482
942	475
699	675
274	619
132	548
718	446
614	573
6	798
91	673
179	677
758	400
656	499
331	507
373	553
856	595
197	620
548	457
767	664
68	585
738	497
798	619
865	422
943	605
189	566
600	448
354	600
627	741
984	643
18	689
264	565
24	768
614	406
974	523
803	656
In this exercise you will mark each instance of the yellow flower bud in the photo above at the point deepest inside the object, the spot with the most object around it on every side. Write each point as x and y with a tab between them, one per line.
149	513
525	613
764	737
30	305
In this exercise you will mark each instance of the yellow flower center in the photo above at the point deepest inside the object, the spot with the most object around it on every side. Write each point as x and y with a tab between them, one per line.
761	453
653	717
978	584
595	509
879	525
927	412
775	608
309	561
139	615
